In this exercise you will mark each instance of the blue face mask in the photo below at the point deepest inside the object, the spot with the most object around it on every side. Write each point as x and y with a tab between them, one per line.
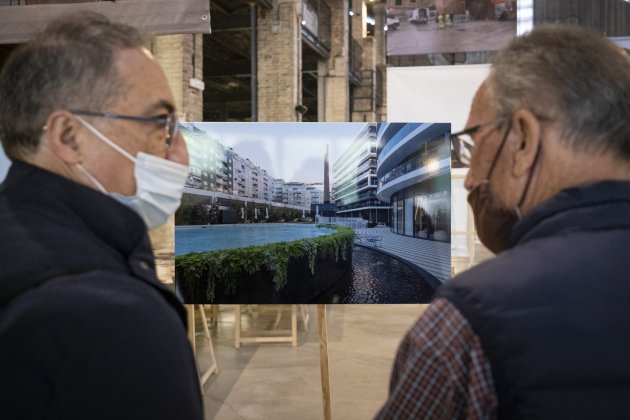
159	183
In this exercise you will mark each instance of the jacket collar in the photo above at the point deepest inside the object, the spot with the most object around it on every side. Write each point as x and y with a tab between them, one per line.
56	227
72	204
599	206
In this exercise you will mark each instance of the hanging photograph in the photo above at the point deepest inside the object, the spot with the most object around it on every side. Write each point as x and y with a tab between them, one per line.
314	213
424	27
611	18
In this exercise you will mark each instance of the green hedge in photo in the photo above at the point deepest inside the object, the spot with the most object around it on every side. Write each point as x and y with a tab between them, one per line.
224	266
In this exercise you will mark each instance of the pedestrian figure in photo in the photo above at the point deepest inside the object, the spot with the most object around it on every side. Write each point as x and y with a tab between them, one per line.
425	224
429	226
87	330
539	331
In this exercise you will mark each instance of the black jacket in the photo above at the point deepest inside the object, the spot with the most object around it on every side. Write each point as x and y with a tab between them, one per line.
553	312
86	329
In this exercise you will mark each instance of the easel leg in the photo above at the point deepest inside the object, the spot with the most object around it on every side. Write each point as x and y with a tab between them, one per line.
190	311
293	325
237	326
323	358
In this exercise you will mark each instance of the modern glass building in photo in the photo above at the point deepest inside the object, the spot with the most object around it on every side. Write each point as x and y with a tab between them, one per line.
355	181
413	170
210	163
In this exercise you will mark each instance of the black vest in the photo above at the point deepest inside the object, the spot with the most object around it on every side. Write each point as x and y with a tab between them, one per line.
553	311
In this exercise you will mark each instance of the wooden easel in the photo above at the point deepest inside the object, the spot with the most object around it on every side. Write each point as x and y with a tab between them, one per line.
323	349
276	336
190	310
323	359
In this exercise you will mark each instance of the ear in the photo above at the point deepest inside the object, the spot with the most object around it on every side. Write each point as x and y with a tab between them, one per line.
526	133
61	134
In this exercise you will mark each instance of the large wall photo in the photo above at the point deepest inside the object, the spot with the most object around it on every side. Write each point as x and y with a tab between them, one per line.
420	32
314	213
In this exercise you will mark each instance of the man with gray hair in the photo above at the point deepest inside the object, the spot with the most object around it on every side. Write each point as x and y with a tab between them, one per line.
540	330
86	329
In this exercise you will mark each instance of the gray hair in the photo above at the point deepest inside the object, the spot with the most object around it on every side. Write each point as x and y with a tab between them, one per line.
68	66
572	76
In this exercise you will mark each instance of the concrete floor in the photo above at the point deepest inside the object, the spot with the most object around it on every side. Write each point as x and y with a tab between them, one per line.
277	381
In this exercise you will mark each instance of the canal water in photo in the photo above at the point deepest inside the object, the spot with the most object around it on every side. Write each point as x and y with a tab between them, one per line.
214	237
378	278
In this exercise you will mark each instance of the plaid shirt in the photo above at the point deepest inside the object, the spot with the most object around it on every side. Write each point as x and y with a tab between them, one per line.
440	371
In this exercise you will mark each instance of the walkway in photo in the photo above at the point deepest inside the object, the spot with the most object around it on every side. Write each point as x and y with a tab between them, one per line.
432	256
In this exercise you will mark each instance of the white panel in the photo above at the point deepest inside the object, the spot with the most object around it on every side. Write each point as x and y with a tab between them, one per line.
438	94
433	93
524	16
459	214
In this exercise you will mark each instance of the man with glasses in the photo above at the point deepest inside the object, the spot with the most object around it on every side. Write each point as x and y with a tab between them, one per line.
86	328
540	331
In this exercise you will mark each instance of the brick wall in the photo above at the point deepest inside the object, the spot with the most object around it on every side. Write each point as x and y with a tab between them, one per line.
279	61
177	54
333	73
364	97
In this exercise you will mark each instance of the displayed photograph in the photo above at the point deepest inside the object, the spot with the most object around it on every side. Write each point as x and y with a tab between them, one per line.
300	213
419	27
610	18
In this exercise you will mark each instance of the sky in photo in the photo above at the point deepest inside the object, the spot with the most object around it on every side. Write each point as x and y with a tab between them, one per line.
291	151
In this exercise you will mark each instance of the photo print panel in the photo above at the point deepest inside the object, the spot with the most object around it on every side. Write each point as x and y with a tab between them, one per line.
447	96
447	32
299	213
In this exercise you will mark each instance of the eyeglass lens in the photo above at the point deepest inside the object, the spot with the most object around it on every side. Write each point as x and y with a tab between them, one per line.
173	127
463	144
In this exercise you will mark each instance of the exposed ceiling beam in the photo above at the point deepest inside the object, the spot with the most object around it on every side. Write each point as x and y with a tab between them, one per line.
239	96
310	93
309	64
231	23
240	70
311	73
239	114
210	84
214	5
267	4
314	43
230	6
238	50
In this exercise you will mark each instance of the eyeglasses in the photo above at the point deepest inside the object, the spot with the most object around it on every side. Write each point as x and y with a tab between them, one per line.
170	122
462	143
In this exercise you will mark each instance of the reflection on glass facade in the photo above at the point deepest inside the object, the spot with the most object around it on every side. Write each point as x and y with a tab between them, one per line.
355	181
424	210
210	164
414	176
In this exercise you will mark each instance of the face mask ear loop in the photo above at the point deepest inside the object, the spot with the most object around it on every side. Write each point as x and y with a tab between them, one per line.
91	178
105	139
496	156
529	179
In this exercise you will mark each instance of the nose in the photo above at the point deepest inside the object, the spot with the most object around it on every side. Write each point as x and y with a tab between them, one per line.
178	152
468	181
